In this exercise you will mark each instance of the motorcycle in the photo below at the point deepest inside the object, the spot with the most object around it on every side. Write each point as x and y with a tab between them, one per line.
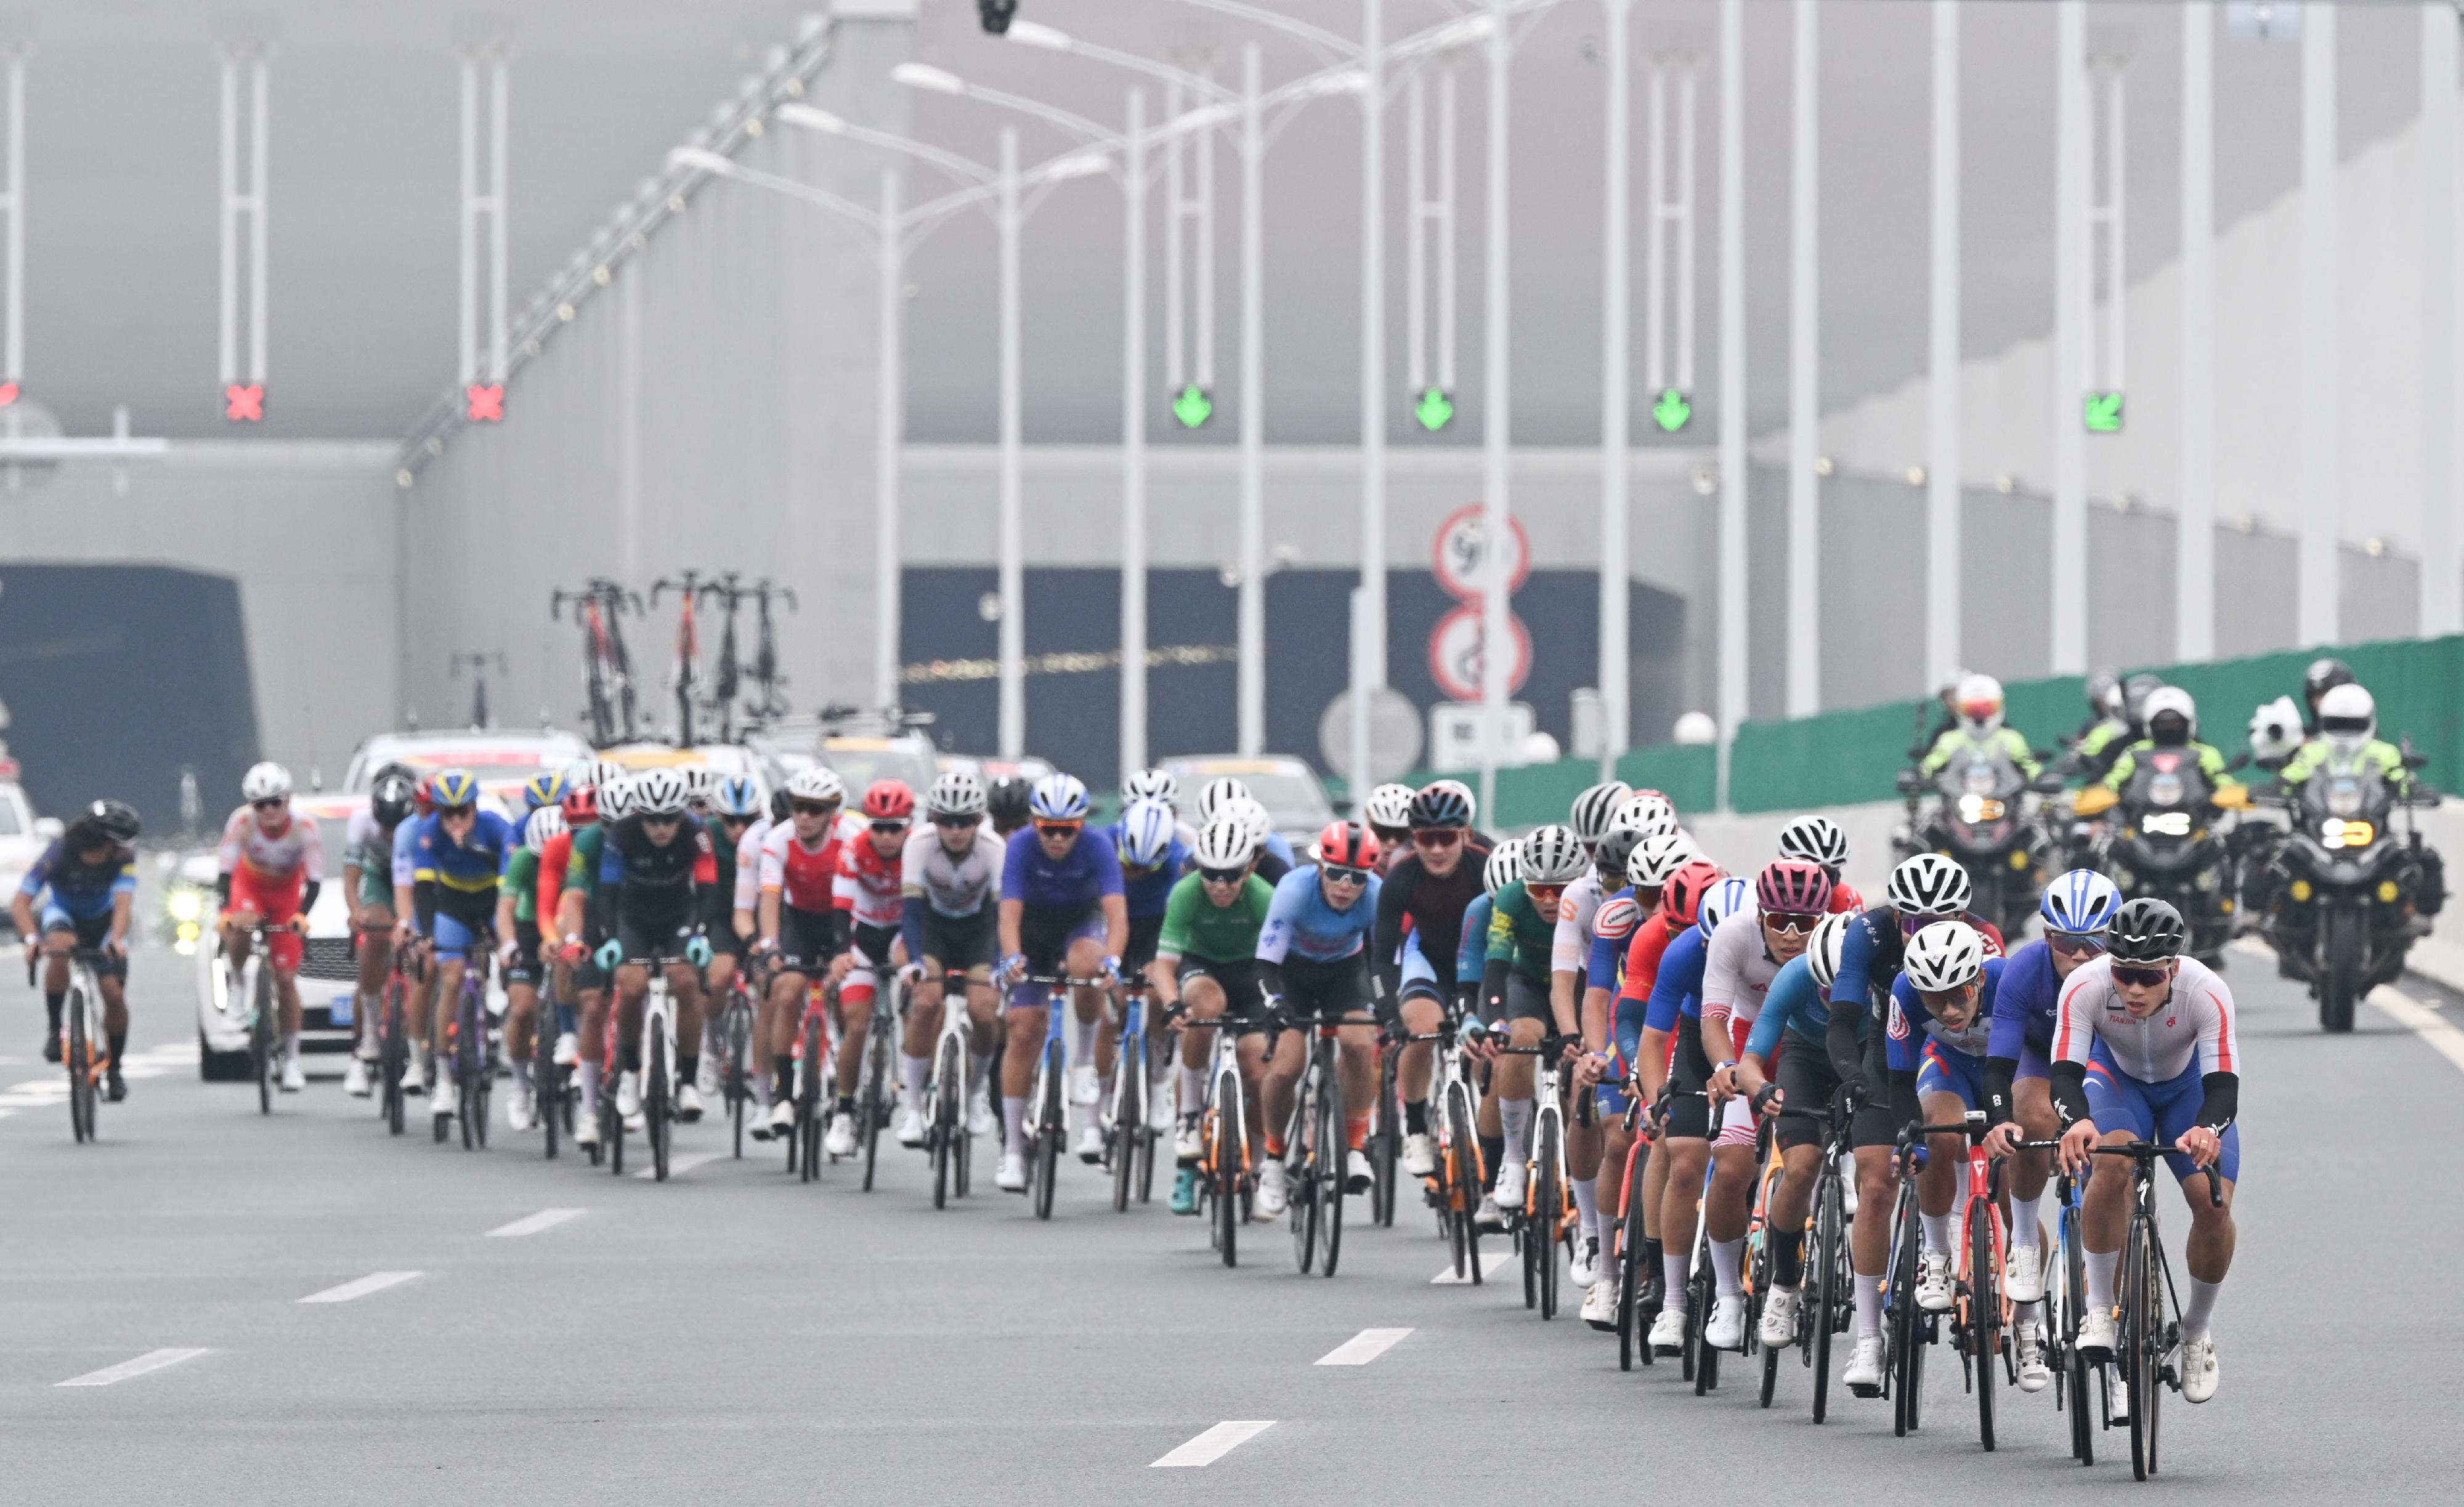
2172	843
2342	890
1984	815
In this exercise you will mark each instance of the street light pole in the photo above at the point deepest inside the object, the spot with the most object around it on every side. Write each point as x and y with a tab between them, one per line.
1496	621
1616	376
1732	385
889	424
1368	659
2314	577
1804	366
1252	635
1133	439
1013	527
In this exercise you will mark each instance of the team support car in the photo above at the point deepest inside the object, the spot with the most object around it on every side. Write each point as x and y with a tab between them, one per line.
23	835
1286	787
499	760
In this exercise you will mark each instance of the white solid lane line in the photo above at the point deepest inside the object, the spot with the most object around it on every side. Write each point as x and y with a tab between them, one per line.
1215	1443
532	1224
1489	1262
373	1283
2422	1020
150	1360
677	1166
1363	1347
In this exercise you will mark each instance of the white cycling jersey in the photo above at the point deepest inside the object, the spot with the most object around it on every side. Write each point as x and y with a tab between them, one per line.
2196	1023
273	855
952	884
1737	970
748	864
1570	949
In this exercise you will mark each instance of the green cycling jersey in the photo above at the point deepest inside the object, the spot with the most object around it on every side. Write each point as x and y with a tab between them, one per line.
1196	926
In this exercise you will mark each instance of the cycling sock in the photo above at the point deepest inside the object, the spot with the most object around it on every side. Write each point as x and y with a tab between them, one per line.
1651	1252
761	1092
1787	1258
630	1058
847	1103
1514	1118
1356	1131
911	1072
1193	1090
1492	1155
1937	1229
1014	1123
1672	1277
2023	1220
54	1003
290	1045
586	1071
687	1067
1274	1147
982	1072
522	1073
2200	1309
118	1049
782	1071
1587	1203
1726	1256
1415	1117
1082	1041
1869	1305
2100	1278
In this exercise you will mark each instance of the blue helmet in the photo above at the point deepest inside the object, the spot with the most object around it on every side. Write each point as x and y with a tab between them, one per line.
1147	830
544	789
452	789
1057	798
2080	902
736	796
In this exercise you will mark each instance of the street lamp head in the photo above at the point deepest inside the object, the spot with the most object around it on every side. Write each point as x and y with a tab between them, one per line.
1078	164
1031	33
1341	81
813	118
700	160
924	76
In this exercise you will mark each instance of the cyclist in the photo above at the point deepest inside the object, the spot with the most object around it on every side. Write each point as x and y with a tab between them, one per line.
1940	1025
869	889
1388	813
1005	805
1650	1049
564	892
540	791
1206	957
950	878
2018	1086
656	872
1515	986
1569	958
1503	868
2146	1051
1313	951
1277	857
1063	914
1818	840
1979	730
368	874
270	867
459	853
1159	784
736	808
87	882
1422	898
802	925
1595	808
518	956
1152	858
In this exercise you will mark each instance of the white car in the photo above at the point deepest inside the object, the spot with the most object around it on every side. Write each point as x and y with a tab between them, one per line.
1286	787
499	760
23	836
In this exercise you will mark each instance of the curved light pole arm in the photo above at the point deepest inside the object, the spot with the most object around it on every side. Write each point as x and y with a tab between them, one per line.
718	166
1317	38
963	169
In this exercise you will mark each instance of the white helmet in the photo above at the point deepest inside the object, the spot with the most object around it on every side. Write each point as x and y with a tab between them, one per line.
1212	794
1151	784
1147	829
2276	729
1816	839
604	772
616	798
1928	885
660	792
266	781
2177	701
545	824
1978	701
1225	842
2347	717
1504	868
1595	808
1729	897
1646	813
1945	956
955	793
1655	859
1822	949
816	782
1251	813
1553	854
1390	806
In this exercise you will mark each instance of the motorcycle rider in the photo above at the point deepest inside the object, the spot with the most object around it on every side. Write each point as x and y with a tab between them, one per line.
1979	705
2172	723
2348	725
2322	677
2093	758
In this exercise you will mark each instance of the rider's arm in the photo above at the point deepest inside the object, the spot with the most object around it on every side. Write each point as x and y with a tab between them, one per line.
1116	925
124	903
1011	911
2219	1058
1386	937
1850	1002
21	904
422	903
1163	976
504	919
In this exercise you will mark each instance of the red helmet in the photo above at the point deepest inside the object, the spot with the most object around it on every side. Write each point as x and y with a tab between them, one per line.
1794	886
889	800
1683	895
423	794
580	806
1347	844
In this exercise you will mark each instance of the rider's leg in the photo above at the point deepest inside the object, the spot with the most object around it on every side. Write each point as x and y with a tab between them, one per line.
1945	1163
1277	1086
923	1028
632	986
1686	1156
1204	998
1357	1069
57	943
1869	1236
855	1020
1421	1014
684	986
1026	1024
1514	1088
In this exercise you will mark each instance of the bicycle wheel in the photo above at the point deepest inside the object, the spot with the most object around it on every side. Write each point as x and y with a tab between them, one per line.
611	1127
1386	1144
393	1054
732	1077
1224	1156
80	1072
1301	1171
1701	1293
949	1110
1764	1276
1333	1166
1049	1119
1463	1178
1830	1291
2140	1347
472	1061
1547	1217
1984	1316
2075	1366
1629	1271
654	1105
1120	1145
260	1036
547	1091
805	1147
876	1099
1907	1371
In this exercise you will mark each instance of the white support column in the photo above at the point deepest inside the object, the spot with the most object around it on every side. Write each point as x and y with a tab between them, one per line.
244	200
1616	385
1942	416
1497	407
1369	656
1733	476
1429	154
1133	438
1804	364
2442	591
629	423
1188	251
12	200
2194	547
1668	355
2315	592
1176	278
890	429
1013	501
499	154
2071	137
484	157
1252	677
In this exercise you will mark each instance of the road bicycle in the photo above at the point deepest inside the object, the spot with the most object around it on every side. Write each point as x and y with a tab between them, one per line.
1316	1140
1047	1114
768	705
85	1049
1544	1225
1908	1328
393	1038
1386	1129
606	667
726	675
256	984
658	1055
1762	1258
2148	1327
684	673
1226	1181
1128	1136
1980	1308
547	1074
1832	1306
477	662
736	1064
466	1056
1638	1301
873	1083
2065	1305
814	1075
945	1092
1453	1189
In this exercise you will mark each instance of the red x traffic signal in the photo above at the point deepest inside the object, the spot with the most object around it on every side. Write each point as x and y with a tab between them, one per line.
486	403
244	402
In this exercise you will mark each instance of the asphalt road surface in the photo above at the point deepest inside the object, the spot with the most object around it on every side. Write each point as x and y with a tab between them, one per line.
733	1336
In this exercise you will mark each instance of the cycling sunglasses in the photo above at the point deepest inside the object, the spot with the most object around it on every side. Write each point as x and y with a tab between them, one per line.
654	819
1222	876
1910	925
888	826
812	808
1795	923
1547	892
1344	874
2074	944
2138	977
1436	836
1049	829
270	802
954	822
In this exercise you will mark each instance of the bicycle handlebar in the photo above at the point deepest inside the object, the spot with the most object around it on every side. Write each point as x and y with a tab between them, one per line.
2146	1152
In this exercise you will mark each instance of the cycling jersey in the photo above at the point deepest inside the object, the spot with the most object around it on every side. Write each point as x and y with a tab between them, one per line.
290	850
953	883
405	852
1737	972
1195	927
1570	946
1301	922
1912	1017
1601	965
367	845
1519	934
869	885
1642	959
520	883
1088	872
803	878
1148	891
552	862
1793	1008
2194	1024
79	890
1869	956
748	864
1431	909
1676	988
472	867
646	879
1471	954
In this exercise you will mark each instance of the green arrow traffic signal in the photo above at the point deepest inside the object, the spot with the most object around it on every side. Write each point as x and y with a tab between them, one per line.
1192	408
1671	411
2102	413
1435	410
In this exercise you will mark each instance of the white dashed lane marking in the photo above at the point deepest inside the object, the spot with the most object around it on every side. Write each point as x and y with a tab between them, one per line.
1363	1347
1214	1444
151	1361
532	1224
1489	1262
361	1287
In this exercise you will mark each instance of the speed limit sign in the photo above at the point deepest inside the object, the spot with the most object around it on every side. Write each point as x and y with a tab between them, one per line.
1455	654
1462	552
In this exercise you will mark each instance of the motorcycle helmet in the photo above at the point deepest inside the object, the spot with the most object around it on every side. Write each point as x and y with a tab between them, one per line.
2135	693
2349	718
2322	677
1978	702
2105	694
2170	716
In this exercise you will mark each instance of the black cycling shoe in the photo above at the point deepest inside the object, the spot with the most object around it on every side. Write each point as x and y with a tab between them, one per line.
114	1087
1648	1294
51	1047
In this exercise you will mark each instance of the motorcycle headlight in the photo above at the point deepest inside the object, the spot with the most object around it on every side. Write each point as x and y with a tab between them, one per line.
2166	823
186	906
2206	880
2337	833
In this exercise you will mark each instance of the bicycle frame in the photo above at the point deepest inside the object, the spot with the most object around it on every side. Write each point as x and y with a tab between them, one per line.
85	1048
1047	1113
1127	1133
684	676
945	1089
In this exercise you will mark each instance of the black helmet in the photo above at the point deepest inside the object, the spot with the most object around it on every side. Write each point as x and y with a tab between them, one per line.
389	769
2135	693
1610	854
391	798
1439	805
781	805
2145	931
2322	677
1005	800
115	820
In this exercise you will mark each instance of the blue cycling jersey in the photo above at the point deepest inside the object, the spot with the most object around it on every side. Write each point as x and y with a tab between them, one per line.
1471	958
1607	963
1678	988
1795	1006
2027	1003
82	890
405	852
1148	890
1088	872
1869	954
472	866
1911	1020
1280	846
1300	921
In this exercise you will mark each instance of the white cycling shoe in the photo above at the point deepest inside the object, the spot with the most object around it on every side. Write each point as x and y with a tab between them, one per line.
447	1101
1599	1304
980	1114
355	1079
1358	1176
1274	1192
2023	1273
1421	1155
1091	1144
1864	1374
688	1103
1189	1139
2035	1372
705	1076
2096	1334
1778	1329
293	1079
517	1111
1933	1282
782	1117
2195	1363
1513	1183
1727	1330
586	1132
1488	1216
1010	1177
1083	1087
568	1047
841	1140
1585	1269
1668	1332
628	1100
910	1126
